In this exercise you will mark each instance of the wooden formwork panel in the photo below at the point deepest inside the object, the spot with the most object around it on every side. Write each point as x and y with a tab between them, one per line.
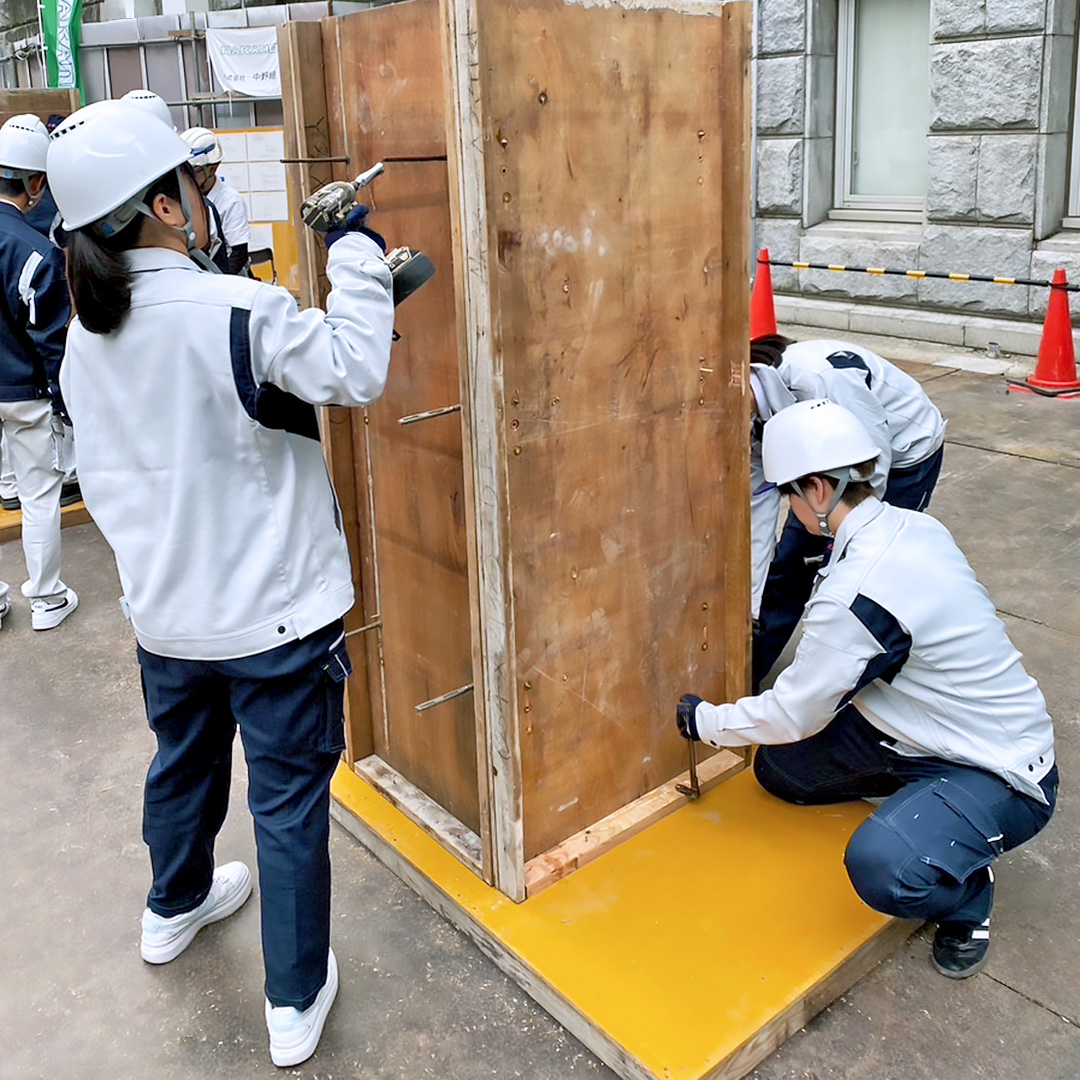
574	542
601	184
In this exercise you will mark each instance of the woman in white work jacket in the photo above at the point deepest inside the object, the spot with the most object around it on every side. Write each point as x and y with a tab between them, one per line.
904	686
193	397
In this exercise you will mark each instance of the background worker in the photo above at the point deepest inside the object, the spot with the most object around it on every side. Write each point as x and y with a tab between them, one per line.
904	686
903	421
34	313
200	461
206	155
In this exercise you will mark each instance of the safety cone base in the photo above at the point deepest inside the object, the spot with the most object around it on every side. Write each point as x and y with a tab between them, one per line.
691	951
1027	386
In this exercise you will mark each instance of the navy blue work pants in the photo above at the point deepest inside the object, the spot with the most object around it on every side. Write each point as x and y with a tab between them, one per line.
923	853
289	706
799	555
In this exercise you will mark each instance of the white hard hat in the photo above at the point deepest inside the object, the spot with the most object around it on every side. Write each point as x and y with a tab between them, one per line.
204	145
24	142
153	103
104	157
815	436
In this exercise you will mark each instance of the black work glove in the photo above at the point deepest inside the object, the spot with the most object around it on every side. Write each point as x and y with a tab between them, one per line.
354	223
686	717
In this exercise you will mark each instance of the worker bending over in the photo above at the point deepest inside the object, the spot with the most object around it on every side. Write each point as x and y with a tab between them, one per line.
904	686
901	419
193	395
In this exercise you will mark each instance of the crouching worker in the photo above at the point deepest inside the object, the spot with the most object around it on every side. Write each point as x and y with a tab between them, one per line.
199	456
904	686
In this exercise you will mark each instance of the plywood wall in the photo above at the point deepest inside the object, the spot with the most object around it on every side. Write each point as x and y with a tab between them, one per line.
385	94
601	186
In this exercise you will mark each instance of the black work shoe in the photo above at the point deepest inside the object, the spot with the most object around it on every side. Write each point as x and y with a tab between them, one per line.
11	504
961	951
70	493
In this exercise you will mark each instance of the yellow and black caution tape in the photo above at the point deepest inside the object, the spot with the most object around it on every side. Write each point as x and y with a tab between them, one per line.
919	274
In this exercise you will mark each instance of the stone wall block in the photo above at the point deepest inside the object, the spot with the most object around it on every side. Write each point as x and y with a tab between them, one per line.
1006	191
957	18
1051	189
779	176
985	85
952	163
1043	265
781	237
965	250
822	92
1058	54
781	26
781	94
850	249
1014	16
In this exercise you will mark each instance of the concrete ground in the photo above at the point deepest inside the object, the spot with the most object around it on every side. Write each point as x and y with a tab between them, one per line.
417	999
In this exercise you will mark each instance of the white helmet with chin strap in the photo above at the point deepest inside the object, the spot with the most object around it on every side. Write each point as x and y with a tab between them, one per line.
152	103
103	160
204	146
816	437
24	142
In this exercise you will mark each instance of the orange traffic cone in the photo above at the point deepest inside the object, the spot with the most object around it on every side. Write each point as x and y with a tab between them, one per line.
762	308
1055	369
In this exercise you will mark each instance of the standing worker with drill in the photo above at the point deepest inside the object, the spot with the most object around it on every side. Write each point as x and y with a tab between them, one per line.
194	395
905	687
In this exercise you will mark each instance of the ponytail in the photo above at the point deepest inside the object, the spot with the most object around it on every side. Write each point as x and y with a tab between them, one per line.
97	272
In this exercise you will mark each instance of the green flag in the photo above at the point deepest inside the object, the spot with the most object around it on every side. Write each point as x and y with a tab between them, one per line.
62	22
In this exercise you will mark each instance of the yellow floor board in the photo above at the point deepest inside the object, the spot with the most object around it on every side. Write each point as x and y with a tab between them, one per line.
11	520
728	923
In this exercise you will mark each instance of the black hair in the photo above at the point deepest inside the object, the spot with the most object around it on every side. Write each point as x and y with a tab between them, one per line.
857	491
97	274
11	189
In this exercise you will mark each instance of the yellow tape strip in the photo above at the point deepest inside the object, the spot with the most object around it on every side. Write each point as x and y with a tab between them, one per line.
801	265
959	277
875	269
1004	281
833	266
916	273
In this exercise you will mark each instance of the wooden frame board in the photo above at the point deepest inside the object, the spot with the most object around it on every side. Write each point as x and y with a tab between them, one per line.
42	103
632	951
571	548
599	182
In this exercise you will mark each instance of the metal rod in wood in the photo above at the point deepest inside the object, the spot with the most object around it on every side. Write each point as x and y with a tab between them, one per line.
693	789
417	417
425	705
364	629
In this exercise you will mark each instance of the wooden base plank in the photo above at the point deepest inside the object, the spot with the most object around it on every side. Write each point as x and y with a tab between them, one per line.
592	842
624	950
11	520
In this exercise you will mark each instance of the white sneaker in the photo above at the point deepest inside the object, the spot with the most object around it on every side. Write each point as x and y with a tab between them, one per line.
47	614
165	939
294	1034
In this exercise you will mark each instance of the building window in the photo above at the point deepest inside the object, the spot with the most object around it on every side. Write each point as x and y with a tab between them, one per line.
883	105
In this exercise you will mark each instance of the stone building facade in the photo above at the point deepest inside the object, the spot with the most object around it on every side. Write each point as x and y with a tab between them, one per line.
921	134
997	193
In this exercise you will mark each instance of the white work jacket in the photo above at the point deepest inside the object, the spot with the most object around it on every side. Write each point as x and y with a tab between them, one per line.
234	217
903	422
199	452
899	626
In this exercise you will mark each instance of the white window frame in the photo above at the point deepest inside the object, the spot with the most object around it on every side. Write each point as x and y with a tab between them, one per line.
849	207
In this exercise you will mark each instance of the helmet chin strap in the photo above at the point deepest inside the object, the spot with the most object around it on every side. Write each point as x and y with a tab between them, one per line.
124	214
842	482
195	253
